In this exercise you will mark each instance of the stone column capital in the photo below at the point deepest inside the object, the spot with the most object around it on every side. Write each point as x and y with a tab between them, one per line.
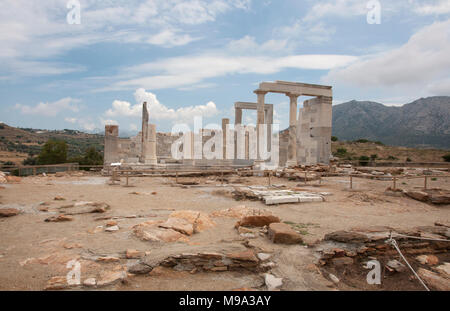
293	95
260	92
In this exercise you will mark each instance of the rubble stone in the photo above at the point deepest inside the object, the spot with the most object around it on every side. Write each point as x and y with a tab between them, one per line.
272	282
283	234
257	221
434	280
9	212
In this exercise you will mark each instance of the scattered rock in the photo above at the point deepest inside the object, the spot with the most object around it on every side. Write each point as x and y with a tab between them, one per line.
57	283
72	245
200	221
58	198
85	208
150	231
418	195
257	221
179	224
430	260
13	179
134	254
111	223
247	255
108	259
283	234
264	256
342	261
59	218
434	280
90	282
112	229
333	278
111	277
272	282
140	268
396	265
9	212
346	237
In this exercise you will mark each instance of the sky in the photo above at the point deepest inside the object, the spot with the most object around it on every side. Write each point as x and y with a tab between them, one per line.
83	64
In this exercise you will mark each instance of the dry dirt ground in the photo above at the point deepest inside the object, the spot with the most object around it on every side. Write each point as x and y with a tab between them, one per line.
32	251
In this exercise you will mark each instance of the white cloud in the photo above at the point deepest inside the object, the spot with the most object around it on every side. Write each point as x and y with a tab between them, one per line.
51	109
191	70
340	8
159	111
71	120
434	8
422	62
35	30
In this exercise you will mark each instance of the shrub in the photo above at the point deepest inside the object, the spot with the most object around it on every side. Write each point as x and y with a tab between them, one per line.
446	157
334	138
373	157
408	160
362	140
392	158
341	152
364	160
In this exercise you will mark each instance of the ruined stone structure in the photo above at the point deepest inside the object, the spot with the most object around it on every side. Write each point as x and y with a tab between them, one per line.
140	149
310	143
307	141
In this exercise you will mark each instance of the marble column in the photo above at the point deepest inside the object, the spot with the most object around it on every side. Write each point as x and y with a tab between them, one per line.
259	123
292	145
237	115
144	132
225	123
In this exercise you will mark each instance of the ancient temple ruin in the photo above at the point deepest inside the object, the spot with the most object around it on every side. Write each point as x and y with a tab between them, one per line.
307	141
140	149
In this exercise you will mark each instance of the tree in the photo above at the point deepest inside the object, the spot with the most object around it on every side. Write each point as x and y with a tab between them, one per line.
92	157
53	152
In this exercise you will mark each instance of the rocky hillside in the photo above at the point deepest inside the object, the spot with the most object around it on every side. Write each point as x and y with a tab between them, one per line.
422	123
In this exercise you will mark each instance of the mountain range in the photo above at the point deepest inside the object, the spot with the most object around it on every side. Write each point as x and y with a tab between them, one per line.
424	123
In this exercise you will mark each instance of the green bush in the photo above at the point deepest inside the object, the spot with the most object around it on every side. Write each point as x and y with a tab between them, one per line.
392	158
408	160
364	160
446	157
334	138
373	157
53	152
362	140
341	152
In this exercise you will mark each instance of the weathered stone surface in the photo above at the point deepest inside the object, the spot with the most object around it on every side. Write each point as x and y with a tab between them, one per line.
430	260
133	254
57	283
444	270
243	256
85	208
111	223
59	198
60	218
9	212
418	195
272	282
111	277
434	280
199	220
140	268
346	237
441	198
150	231
179	224
107	259
283	234
240	211
342	261
257	221
13	179
396	265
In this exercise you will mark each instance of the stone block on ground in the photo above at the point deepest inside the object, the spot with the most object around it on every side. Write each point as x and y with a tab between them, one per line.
281	233
9	212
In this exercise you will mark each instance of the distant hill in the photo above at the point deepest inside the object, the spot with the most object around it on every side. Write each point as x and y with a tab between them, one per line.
424	123
30	141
